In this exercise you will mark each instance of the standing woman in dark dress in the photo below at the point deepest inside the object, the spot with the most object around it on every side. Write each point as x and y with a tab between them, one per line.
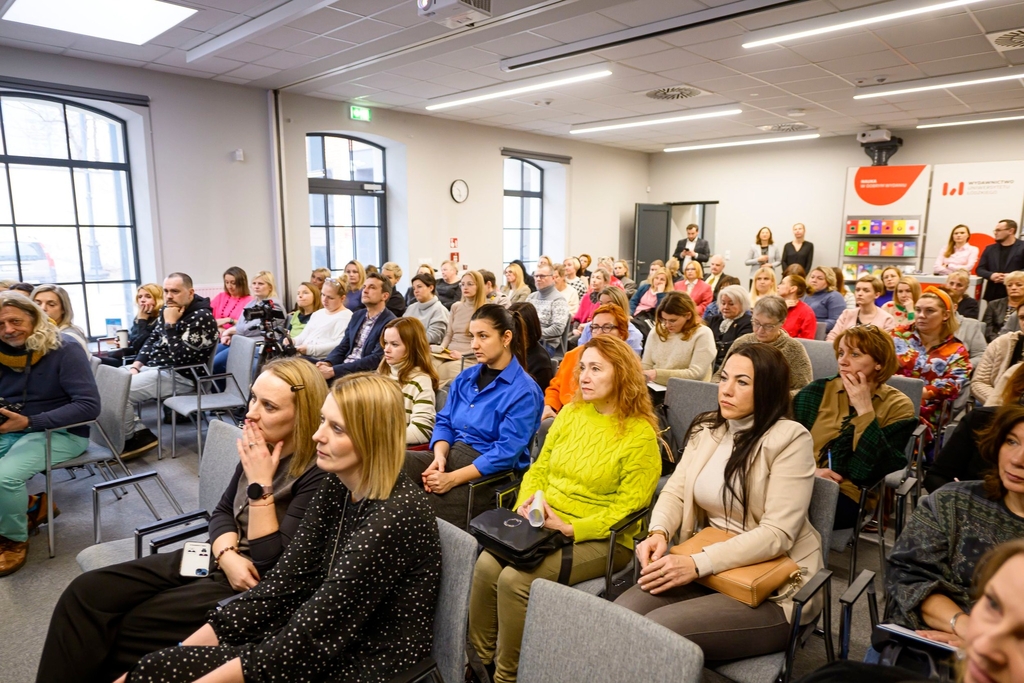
353	596
798	251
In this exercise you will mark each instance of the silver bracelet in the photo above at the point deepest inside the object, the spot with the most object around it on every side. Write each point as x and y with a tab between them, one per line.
952	621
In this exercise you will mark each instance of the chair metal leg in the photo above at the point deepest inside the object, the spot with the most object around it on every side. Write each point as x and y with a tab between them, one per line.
49	495
174	434
159	417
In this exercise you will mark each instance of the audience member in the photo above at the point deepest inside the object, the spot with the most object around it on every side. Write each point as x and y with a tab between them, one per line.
599	463
866	290
527	278
360	349
51	379
694	286
353	596
407	361
621	271
573	276
904	300
795	269
674	270
393	272
23	288
493	294
766	319
747	470
650	293
56	303
959	458
959	254
449	289
584	269
410	295
616	296
308	300
1004	352
680	345
841	287
6	284
492	412
717	266
141	606
1009	388
263	292
890	278
731	322
538	357
551	309
319	276
572	299
515	284
427	308
763	284
148	299
355	277
801	323
1000	314
693	248
860	424
957	283
763	253
370	268
326	326
971	332
712	310
455	351
599	279
822	297
798	252
227	305
1006	255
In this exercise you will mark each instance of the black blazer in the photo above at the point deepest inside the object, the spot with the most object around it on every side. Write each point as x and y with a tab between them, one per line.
701	246
968	307
373	352
741	326
989	264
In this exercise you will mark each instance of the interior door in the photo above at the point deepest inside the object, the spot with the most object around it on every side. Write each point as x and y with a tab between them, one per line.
653	224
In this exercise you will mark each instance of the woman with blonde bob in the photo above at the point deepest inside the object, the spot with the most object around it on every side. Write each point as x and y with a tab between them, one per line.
457	345
693	284
904	299
149	299
56	302
585	494
407	361
764	284
822	297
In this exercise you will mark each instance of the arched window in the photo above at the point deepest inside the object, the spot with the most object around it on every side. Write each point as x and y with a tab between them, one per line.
66	206
524	215
347	201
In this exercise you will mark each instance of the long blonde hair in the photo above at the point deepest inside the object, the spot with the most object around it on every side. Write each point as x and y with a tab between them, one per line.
309	390
267	277
520	279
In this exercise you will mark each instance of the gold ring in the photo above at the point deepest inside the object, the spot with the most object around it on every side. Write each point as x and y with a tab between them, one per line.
662	573
252	444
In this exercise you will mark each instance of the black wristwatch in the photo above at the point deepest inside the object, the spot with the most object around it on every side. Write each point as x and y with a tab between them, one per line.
259	491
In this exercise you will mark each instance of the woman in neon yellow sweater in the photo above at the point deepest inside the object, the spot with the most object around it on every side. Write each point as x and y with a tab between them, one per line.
599	463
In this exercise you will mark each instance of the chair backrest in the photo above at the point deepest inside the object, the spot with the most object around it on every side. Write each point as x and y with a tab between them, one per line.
822	512
685	400
458	559
616	644
241	359
440	398
819	331
912	387
114	385
563	344
220	458
95	363
823	358
539	437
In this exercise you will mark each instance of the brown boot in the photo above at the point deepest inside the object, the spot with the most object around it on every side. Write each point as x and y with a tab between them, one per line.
38	512
12	555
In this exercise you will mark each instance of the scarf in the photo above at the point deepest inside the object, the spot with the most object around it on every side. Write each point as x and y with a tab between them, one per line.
595	297
724	326
18	358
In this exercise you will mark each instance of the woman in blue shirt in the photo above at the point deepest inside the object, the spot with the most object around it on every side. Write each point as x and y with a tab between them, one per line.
492	412
824	300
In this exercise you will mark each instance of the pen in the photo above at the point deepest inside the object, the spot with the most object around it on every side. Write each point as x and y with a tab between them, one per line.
830	458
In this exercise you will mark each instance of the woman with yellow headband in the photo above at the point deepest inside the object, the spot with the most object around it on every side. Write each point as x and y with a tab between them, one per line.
927	349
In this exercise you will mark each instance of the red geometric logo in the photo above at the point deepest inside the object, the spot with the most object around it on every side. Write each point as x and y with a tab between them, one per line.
884	185
956	189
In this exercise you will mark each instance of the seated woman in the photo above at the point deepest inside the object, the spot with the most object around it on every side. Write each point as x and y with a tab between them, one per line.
617	297
492	412
538	360
264	291
959	459
650	293
599	279
307	302
890	278
732	321
841	287
693	284
620	269
860	424
824	300
515	283
801	323
410	294
999	316
763	284
227	305
865	292
149	299
680	345
927	349
748	470
584	495
456	348
901	308
407	361
327	326
427	308
319	276
573	273
141	606
609	319
355	278
393	273
353	597
957	283
929	574
449	287
723	281
56	303
767	317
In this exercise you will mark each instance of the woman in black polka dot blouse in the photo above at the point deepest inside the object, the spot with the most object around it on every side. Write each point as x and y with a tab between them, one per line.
353	596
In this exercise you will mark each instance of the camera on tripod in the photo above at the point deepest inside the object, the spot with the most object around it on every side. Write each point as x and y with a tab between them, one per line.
265	311
276	342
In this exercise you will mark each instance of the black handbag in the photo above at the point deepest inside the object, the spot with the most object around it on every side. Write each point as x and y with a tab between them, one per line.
513	540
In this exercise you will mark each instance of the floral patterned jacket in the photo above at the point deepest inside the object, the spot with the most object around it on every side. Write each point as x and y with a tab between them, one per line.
945	369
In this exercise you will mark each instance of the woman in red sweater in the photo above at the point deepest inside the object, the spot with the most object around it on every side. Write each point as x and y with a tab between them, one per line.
801	322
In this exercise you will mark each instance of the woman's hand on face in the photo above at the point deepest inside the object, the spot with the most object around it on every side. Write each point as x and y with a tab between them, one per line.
826	473
942	637
258	461
858	390
651	549
241	572
668	572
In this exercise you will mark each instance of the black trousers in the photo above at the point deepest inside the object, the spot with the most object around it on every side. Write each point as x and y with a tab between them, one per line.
451	506
108	619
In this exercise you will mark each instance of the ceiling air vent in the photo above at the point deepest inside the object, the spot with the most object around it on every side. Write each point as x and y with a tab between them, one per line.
1004	41
785	127
678	92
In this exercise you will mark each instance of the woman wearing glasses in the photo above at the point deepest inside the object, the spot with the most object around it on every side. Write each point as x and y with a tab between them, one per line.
768	316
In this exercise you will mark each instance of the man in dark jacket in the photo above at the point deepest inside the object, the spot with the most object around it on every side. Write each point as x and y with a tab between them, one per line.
46	379
1005	256
692	248
360	348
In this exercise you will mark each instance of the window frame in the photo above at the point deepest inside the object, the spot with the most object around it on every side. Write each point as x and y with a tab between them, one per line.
523	195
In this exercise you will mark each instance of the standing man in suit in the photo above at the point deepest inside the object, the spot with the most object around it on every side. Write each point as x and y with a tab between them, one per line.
692	248
1005	256
714	279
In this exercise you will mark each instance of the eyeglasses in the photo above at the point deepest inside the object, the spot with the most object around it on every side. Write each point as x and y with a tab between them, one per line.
538	276
604	329
762	326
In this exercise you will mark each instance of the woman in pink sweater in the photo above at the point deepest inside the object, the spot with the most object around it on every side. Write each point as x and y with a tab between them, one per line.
867	289
227	306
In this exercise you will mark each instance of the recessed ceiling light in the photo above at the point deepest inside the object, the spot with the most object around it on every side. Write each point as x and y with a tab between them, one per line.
519	87
739	142
862	16
969	119
656	119
126	21
941	82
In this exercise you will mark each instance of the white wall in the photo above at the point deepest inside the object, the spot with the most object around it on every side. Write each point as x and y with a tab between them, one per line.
786	183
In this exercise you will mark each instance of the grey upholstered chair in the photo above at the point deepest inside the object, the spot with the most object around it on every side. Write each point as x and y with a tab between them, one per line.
823	358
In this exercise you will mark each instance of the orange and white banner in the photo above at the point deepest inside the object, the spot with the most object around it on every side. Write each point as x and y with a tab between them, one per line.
887	190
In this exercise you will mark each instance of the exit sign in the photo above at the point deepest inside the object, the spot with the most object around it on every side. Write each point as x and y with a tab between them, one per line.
359	113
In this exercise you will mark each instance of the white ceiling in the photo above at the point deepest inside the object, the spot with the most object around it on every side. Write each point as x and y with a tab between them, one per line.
380	53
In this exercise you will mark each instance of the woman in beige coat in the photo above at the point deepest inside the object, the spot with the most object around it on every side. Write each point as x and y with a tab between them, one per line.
1002	353
766	509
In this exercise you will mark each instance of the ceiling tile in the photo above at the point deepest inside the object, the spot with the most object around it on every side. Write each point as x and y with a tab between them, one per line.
791	74
517	44
1002	105
234	6
35	47
193	73
230	79
424	70
814	85
324	20
959	65
465	80
839	47
728	48
1015	56
34	34
698	72
494	71
349	89
365	8
285	60
403	14
646	82
247	52
634	49
784	15
175	37
425	90
959	47
765	61
1001	18
569	63
728	83
253	72
704	34
364	31
320	47
205	19
663	61
579	28
929	31
853	65
394	98
142	53
468	58
282	38
385	81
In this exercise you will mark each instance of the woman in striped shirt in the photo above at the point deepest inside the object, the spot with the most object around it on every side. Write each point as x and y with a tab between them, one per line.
407	361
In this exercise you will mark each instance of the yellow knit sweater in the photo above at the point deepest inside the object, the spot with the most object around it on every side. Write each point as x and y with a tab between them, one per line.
591	474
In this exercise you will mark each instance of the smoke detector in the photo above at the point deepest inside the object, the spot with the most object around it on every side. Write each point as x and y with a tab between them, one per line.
785	127
677	92
1004	41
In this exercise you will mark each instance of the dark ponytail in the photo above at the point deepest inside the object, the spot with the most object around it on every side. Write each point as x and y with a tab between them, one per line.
504	321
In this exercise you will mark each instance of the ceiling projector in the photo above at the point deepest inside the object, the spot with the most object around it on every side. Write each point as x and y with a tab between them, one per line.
877	135
454	13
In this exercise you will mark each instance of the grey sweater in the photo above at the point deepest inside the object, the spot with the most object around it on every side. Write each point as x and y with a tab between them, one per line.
434	317
553	311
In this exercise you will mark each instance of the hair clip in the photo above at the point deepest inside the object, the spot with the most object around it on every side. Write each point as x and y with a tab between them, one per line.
298	387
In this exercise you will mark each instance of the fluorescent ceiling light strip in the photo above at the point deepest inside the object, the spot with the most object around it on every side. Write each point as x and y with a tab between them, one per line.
126	21
863	16
740	143
966	120
659	119
941	83
518	88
